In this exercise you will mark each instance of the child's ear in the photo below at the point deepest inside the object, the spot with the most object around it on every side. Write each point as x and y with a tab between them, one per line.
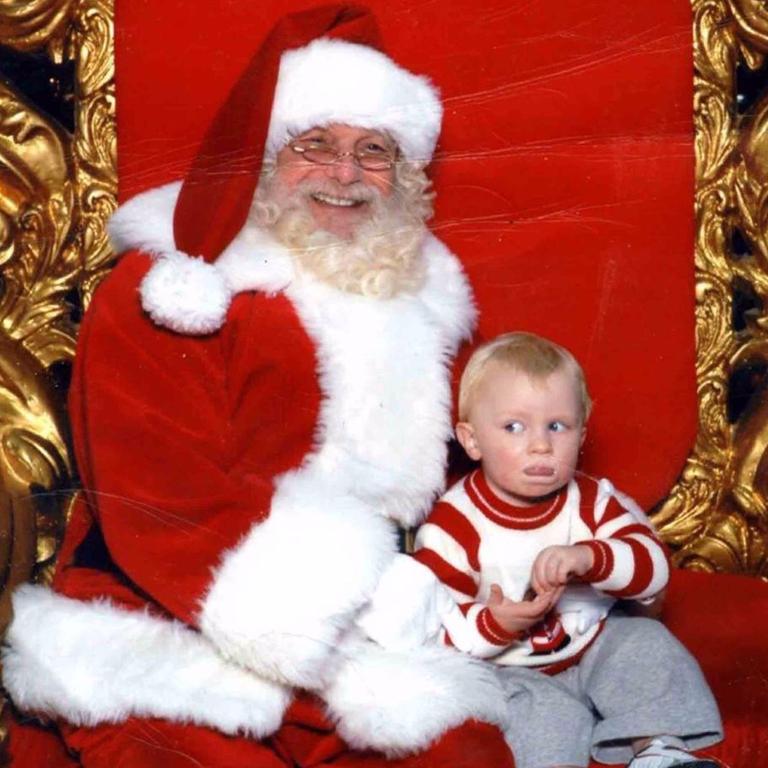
583	435
465	434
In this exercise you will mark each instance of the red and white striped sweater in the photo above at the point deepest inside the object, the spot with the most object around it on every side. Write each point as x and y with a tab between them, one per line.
473	539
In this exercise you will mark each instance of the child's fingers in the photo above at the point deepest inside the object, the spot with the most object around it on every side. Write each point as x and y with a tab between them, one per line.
495	596
539	578
563	571
552	571
551	597
542	604
558	593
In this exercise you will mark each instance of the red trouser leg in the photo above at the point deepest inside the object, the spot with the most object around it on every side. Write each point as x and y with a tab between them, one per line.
471	745
306	740
141	743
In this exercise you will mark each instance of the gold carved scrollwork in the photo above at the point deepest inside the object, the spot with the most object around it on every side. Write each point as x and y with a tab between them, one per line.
57	189
717	514
95	138
36	24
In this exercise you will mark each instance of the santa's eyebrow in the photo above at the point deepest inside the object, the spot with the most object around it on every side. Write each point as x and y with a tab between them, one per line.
312	133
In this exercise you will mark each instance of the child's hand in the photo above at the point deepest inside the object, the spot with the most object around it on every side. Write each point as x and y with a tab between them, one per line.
517	617
555	566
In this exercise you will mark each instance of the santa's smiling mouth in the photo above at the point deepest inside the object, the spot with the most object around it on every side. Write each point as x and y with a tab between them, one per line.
338	202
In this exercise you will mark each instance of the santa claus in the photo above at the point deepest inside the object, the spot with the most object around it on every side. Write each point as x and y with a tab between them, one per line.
261	396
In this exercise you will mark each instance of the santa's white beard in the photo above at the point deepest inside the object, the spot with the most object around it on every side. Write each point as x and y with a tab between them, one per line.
383	256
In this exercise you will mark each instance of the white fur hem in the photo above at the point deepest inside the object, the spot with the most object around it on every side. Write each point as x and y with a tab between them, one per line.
280	601
400	703
92	663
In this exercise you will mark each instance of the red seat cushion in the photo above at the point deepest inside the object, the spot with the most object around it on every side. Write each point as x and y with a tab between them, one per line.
723	620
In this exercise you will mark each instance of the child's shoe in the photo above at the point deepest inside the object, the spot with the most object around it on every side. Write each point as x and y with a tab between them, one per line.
660	754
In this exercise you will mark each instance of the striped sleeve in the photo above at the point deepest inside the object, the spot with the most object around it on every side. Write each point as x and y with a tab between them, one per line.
448	545
629	560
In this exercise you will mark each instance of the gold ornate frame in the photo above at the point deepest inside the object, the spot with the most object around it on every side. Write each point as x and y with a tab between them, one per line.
716	517
57	189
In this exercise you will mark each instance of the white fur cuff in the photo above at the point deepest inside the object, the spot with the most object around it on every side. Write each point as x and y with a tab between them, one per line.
280	601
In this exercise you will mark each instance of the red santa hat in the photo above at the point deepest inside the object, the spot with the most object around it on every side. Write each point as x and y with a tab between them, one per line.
315	67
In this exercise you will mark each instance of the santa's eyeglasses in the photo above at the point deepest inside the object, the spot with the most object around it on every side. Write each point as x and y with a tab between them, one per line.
369	157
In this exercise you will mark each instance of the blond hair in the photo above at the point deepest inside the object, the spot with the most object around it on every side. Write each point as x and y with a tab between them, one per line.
527	353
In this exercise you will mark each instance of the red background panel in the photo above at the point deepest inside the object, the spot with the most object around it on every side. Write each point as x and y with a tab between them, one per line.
564	177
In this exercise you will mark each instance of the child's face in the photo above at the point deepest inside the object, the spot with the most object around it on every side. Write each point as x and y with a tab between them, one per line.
527	433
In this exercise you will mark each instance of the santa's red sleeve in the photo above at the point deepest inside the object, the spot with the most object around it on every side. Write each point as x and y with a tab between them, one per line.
153	429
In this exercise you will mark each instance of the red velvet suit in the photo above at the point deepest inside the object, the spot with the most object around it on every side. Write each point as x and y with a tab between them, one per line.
247	504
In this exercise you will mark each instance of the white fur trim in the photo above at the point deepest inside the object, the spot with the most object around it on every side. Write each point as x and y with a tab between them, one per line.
447	294
145	222
384	364
399	703
384	424
385	373
280	601
255	261
92	663
333	81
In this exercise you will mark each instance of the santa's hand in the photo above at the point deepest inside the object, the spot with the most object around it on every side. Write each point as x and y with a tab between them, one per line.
556	566
518	616
403	612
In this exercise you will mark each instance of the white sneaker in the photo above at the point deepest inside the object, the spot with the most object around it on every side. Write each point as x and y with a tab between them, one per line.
660	755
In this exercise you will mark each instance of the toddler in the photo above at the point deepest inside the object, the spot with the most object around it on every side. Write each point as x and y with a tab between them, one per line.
536	554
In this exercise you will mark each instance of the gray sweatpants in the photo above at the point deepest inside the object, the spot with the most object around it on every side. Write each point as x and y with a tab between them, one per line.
635	680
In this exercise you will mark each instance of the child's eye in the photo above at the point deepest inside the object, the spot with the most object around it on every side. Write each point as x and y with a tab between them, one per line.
514	426
558	426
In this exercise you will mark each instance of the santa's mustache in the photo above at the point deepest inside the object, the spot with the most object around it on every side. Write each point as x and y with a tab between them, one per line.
356	192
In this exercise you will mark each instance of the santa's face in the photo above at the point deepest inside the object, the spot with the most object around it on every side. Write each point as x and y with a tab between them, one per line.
338	195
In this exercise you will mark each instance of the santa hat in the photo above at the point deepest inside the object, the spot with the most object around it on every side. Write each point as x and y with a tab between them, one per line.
314	68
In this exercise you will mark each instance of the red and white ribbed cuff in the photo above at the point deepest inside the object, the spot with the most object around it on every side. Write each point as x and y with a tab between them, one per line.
603	561
492	631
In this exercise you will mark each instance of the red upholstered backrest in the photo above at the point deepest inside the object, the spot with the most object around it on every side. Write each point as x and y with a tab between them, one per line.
564	175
